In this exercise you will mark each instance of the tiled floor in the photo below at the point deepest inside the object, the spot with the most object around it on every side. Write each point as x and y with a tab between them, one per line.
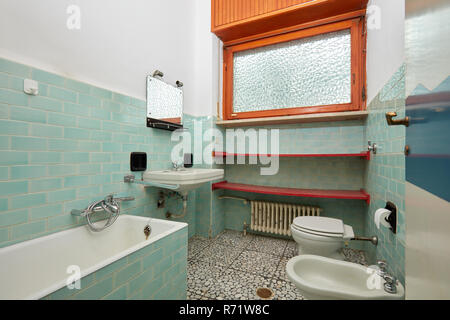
233	266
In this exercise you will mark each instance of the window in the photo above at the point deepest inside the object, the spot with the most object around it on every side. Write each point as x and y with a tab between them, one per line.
313	70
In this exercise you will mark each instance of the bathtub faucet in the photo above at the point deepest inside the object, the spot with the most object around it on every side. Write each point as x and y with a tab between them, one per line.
109	204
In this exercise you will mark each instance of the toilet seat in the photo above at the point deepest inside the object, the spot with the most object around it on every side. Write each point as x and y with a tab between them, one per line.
322	226
316	233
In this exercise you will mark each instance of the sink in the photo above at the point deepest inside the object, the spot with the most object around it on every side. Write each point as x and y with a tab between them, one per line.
324	278
184	179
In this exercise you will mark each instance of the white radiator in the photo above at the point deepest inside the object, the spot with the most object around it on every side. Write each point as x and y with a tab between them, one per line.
275	217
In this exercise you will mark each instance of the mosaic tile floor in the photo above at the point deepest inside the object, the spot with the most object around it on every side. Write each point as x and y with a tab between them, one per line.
233	266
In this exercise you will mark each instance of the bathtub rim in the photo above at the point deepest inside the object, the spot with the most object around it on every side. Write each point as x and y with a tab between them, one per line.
53	288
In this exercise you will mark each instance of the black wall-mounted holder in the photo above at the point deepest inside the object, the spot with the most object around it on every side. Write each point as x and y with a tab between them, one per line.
161	124
138	161
392	217
188	160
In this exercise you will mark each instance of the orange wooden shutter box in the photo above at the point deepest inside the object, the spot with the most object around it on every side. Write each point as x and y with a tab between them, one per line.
242	19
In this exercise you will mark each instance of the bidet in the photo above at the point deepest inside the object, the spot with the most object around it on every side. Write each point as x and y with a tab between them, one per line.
321	278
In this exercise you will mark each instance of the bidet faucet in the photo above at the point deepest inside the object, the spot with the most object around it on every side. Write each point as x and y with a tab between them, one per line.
383	268
390	286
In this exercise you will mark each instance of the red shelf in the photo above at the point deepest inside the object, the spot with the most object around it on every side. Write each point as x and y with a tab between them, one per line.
310	193
364	155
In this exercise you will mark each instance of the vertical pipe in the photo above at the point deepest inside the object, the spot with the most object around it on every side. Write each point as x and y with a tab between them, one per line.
275	218
259	216
269	223
288	219
263	225
252	218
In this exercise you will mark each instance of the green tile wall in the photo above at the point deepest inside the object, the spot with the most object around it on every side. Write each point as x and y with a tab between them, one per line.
157	271
385	174
210	211
67	147
70	145
314	173
214	215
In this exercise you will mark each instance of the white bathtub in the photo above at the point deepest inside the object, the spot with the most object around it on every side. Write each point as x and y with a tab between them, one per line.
35	268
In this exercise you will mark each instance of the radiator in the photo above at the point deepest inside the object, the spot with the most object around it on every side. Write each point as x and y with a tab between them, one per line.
275	217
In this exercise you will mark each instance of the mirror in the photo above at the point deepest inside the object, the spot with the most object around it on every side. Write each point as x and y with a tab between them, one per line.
164	104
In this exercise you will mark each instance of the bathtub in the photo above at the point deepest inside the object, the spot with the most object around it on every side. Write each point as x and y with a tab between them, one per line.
108	261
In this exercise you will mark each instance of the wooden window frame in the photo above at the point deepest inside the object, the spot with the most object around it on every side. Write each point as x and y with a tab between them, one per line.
358	70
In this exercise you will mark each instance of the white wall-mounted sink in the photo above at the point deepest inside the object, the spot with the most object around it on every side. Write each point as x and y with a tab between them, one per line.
183	179
321	278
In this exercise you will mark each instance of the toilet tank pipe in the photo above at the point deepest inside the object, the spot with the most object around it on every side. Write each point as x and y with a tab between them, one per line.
234	198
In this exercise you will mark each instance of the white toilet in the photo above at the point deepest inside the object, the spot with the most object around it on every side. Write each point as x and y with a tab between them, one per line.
320	236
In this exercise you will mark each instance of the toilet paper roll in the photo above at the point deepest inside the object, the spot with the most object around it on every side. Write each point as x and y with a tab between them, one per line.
380	217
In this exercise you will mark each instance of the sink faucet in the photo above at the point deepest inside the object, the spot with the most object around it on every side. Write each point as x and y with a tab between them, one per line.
176	165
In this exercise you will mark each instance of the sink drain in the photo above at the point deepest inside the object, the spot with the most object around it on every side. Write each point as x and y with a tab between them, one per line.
264	293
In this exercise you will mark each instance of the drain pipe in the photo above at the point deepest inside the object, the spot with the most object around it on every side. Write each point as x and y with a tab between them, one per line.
373	240
170	215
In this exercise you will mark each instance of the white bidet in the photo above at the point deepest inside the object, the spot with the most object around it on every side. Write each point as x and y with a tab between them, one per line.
321	278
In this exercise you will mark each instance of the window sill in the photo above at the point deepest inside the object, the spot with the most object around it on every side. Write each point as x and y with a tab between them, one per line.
306	118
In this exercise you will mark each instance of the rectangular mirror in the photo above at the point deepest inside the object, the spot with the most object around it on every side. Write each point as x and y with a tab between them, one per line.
164	105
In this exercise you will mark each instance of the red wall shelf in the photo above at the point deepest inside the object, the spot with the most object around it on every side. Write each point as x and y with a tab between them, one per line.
363	155
294	192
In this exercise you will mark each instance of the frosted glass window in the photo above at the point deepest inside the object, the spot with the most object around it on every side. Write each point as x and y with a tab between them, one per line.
305	72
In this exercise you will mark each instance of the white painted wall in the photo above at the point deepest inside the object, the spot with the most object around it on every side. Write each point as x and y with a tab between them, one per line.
385	46
119	43
206	63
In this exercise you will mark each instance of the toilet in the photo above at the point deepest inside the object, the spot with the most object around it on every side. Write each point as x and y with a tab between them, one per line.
320	236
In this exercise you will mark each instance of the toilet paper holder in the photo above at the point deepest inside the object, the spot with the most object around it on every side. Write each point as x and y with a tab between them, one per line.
392	217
